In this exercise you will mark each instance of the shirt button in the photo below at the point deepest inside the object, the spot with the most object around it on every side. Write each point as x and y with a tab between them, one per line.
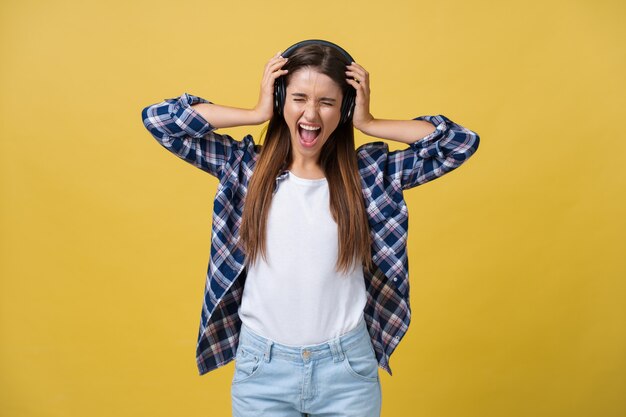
395	279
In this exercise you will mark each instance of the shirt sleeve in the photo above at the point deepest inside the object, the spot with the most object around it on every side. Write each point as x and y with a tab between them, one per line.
184	132
433	156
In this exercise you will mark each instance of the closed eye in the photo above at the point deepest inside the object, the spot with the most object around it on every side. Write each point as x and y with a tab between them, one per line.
301	100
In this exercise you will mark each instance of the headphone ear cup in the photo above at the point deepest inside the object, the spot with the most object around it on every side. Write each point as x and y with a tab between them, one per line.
279	95
276	96
347	106
351	106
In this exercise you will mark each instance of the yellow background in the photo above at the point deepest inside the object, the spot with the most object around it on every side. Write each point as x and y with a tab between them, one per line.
516	259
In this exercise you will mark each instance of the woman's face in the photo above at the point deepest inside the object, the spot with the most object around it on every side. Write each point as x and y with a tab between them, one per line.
312	99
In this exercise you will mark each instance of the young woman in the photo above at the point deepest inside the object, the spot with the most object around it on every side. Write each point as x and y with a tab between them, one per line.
307	285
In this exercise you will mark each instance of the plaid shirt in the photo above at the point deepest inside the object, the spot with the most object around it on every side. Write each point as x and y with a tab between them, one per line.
384	175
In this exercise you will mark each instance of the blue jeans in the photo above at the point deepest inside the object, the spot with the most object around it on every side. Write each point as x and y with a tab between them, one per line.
336	378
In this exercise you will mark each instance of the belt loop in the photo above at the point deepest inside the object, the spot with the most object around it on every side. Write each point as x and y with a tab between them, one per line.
336	350
268	351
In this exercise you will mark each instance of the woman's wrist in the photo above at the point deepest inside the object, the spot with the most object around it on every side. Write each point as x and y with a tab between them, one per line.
257	117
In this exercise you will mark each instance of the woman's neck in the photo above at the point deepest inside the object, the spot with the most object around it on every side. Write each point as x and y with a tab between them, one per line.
310	171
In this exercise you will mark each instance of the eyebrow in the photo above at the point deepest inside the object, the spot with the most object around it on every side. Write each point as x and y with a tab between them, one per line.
321	98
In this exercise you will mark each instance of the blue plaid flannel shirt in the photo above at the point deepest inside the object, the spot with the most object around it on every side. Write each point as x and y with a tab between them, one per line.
384	176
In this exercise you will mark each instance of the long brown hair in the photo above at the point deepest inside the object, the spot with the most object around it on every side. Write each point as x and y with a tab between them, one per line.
338	160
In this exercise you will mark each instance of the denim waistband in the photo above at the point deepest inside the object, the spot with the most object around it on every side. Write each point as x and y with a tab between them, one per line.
306	353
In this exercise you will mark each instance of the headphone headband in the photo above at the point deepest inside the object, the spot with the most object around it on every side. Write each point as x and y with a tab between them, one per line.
295	46
280	89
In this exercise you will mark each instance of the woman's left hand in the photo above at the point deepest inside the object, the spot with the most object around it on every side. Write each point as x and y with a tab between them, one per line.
360	80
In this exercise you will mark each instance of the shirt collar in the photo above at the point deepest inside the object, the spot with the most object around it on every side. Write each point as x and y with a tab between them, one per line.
284	173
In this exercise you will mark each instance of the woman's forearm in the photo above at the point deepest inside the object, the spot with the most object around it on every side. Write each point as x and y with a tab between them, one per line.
406	131
224	116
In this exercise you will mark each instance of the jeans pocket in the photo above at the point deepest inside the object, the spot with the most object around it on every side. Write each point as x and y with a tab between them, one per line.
360	361
248	363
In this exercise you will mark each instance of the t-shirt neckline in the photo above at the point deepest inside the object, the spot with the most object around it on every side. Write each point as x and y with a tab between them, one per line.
306	181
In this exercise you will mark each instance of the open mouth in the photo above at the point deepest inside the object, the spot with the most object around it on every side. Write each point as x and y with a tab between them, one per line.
308	135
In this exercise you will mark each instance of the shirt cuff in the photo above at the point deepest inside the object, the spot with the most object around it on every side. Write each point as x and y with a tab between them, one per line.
431	145
188	119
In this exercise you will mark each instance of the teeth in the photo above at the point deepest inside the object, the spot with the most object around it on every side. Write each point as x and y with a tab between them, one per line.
309	127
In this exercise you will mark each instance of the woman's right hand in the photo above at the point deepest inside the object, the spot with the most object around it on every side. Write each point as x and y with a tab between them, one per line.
265	107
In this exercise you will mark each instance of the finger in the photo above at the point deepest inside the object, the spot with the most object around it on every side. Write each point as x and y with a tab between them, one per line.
362	75
279	62
355	79
278	73
358	78
354	83
356	74
274	59
356	67
272	66
276	70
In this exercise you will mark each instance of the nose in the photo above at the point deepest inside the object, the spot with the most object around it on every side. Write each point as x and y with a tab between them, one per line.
310	111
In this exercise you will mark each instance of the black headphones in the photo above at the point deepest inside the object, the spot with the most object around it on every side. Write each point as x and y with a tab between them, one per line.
280	89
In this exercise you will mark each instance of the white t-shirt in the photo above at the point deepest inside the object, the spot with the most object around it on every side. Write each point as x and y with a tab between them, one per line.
297	298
